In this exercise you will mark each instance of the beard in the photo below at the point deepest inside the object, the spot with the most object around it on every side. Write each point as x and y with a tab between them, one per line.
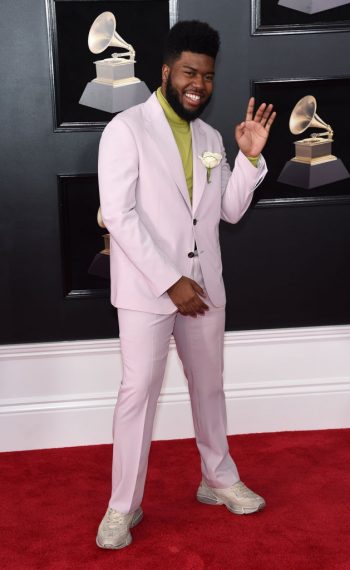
174	101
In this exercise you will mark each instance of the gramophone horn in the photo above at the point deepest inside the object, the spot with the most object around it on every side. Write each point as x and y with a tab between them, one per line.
304	116
102	35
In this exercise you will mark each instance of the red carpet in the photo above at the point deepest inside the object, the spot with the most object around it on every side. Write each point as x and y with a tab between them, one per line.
53	500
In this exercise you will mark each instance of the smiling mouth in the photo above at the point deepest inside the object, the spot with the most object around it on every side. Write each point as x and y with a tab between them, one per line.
193	98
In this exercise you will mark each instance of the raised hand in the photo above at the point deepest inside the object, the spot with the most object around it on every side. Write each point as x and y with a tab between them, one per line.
252	134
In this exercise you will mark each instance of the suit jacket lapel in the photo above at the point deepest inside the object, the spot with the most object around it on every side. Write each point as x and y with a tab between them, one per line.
199	171
161	133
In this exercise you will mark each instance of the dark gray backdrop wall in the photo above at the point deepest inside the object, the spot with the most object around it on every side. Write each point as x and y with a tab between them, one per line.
284	265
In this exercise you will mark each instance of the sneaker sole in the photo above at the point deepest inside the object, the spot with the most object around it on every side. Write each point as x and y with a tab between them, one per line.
111	547
239	510
128	539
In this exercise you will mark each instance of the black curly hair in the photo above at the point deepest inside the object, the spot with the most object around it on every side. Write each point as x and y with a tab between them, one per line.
191	35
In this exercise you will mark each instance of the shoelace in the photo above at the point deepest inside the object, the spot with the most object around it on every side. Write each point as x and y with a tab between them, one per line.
115	518
242	491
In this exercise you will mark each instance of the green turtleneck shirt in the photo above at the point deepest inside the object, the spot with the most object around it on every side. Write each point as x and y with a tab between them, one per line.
182	133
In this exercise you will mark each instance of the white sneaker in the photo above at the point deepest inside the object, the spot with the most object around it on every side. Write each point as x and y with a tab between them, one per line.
238	498
113	531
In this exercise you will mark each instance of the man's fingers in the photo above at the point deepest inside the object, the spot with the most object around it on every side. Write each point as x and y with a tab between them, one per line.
259	113
250	109
270	121
202	311
198	307
266	115
198	289
193	307
263	114
199	304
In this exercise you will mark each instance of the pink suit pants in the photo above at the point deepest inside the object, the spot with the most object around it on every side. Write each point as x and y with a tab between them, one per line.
145	339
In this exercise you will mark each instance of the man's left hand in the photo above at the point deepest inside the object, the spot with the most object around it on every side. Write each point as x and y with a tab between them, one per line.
252	134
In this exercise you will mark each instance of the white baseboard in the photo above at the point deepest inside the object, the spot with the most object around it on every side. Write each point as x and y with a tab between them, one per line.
63	394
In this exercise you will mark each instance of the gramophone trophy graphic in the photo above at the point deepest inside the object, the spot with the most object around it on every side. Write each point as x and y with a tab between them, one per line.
115	87
314	164
100	263
312	6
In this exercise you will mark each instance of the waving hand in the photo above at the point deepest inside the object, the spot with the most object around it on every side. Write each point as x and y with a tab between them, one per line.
252	134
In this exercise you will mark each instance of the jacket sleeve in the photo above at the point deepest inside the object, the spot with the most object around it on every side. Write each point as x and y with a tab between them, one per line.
238	186
118	172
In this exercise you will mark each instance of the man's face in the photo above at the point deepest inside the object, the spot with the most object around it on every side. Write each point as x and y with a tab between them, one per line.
187	84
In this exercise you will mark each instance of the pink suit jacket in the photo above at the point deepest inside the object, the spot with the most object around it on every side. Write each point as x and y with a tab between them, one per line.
146	208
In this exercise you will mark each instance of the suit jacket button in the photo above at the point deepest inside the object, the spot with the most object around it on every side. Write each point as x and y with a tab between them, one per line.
194	222
191	254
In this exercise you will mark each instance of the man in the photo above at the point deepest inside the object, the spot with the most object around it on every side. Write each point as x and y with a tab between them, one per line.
162	198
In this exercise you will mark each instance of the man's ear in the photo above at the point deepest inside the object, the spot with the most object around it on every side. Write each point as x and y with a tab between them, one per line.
165	72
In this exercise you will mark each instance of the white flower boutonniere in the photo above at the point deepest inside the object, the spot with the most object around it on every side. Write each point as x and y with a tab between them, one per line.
210	160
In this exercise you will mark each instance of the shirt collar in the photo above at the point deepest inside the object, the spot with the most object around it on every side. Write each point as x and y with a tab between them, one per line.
168	110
